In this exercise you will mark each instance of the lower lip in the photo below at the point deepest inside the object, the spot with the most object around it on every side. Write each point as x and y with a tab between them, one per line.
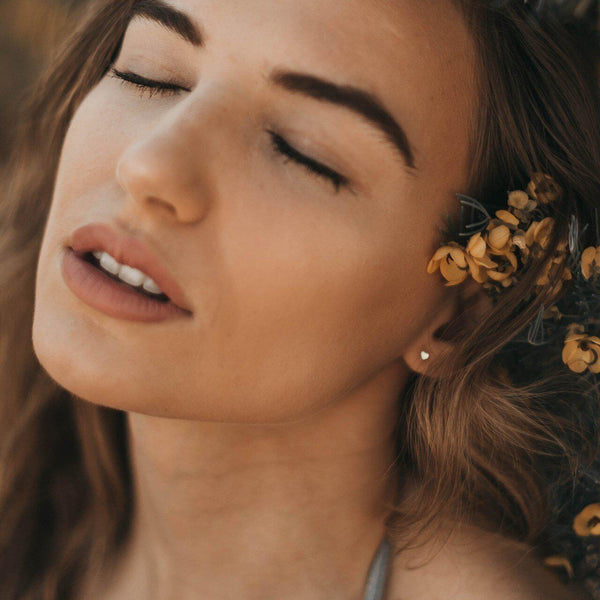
111	297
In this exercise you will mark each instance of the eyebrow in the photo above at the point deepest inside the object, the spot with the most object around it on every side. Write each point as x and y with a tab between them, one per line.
360	101
357	100
170	17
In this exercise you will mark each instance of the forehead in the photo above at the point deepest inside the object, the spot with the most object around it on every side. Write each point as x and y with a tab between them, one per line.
417	56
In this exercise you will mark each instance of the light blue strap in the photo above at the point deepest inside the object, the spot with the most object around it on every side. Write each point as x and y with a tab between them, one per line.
378	572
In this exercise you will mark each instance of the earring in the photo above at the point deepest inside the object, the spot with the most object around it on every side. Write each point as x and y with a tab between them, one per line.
424	355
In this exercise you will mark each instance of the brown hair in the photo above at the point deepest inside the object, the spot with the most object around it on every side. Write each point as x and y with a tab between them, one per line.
471	437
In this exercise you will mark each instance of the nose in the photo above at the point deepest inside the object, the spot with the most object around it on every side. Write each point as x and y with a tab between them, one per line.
163	172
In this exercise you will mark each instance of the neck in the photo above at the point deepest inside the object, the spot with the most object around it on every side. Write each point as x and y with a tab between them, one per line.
293	510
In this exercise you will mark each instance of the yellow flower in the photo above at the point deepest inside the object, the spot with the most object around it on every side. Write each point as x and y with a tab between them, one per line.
498	232
590	261
477	257
543	189
519	240
539	233
452	263
499	239
536	241
558	560
549	271
521	201
587	522
581	351
507	217
504	273
534	244
566	275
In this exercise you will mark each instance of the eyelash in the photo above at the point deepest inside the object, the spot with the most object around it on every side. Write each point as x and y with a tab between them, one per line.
316	168
170	88
148	86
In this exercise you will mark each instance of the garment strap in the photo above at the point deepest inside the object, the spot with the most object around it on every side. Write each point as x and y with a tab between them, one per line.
378	572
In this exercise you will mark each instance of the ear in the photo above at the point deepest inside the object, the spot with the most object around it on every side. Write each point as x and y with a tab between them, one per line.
463	306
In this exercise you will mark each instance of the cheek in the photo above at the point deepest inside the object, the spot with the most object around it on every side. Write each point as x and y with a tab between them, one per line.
91	148
85	171
317	307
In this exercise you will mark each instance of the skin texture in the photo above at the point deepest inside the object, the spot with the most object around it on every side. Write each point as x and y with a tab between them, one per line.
261	428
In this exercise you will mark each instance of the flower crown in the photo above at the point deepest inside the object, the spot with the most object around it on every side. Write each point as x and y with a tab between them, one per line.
499	249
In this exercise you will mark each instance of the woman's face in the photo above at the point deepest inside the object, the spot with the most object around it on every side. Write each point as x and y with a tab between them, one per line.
301	291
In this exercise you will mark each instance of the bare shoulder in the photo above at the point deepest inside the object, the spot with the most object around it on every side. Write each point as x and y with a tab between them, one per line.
474	564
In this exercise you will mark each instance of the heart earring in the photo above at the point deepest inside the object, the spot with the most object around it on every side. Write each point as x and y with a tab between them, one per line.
424	355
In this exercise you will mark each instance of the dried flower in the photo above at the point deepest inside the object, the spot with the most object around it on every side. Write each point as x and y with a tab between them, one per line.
519	240
521	205
550	269
543	189
590	262
520	200
537	236
587	522
507	217
581	351
558	560
499	239
493	255
452	262
478	258
504	272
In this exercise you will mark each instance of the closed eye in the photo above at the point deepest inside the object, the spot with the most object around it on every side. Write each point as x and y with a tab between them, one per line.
149	86
312	165
171	88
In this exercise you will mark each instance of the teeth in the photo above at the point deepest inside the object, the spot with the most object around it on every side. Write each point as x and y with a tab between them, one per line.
108	263
126	273
131	276
150	286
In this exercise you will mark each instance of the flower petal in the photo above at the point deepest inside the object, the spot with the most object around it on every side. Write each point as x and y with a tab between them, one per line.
588	257
477	272
498	275
518	199
512	258
543	188
476	246
486	261
451	271
557	560
441	252
498	237
507	217
587	519
569	350
519	240
458	256
433	265
578	366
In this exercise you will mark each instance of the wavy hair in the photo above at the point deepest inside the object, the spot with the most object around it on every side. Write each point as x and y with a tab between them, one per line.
481	440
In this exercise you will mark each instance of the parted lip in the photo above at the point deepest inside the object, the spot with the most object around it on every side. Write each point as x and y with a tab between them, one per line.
131	251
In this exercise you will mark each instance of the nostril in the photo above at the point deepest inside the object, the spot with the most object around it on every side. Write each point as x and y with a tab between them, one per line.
166	205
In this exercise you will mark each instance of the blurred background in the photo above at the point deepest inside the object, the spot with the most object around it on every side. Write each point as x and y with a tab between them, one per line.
29	30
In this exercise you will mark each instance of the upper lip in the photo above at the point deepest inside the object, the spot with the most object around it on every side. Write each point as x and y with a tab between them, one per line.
130	251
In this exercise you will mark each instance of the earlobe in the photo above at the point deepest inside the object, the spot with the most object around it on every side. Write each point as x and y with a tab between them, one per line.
437	339
426	348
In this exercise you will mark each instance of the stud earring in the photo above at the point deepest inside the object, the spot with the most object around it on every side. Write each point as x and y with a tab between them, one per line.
424	355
